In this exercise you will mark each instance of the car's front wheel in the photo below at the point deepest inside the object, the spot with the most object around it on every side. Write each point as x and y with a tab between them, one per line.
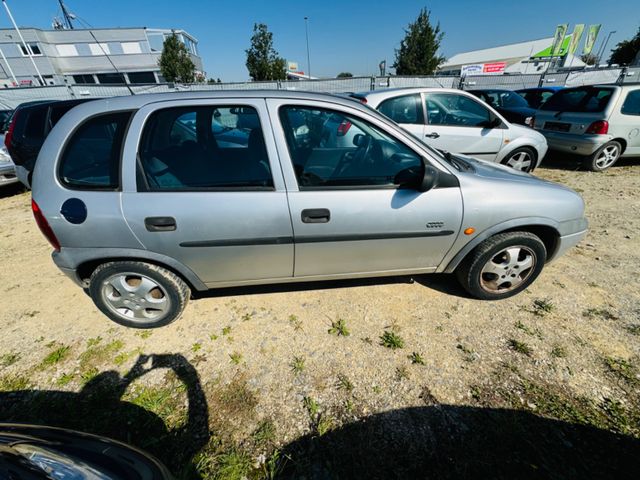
138	294
604	157
502	265
522	159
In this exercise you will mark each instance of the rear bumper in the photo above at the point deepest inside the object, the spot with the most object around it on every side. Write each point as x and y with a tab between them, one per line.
7	174
72	273
23	175
572	143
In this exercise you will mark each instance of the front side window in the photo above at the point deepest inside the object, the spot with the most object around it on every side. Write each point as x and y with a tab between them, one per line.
204	148
91	159
631	105
405	109
332	149
456	110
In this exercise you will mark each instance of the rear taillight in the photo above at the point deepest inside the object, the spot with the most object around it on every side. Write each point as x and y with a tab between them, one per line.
343	128
44	226
363	100
599	127
9	135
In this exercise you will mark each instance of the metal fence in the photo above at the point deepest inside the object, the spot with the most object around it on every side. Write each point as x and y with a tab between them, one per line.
12	97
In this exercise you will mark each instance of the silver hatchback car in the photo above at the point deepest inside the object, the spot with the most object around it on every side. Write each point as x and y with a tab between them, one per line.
144	204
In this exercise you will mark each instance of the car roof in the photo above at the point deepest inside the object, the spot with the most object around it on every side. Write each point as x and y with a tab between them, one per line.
42	103
396	92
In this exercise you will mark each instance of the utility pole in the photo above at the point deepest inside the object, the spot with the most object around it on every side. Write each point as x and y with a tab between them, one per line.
24	44
306	30
604	46
66	15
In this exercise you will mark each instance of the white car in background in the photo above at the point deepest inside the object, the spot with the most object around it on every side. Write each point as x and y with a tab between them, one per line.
459	122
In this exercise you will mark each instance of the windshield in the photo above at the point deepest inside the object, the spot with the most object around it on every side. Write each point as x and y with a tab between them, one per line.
582	99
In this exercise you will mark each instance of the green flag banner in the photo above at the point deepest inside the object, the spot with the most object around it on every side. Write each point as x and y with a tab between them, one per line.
592	34
558	38
575	38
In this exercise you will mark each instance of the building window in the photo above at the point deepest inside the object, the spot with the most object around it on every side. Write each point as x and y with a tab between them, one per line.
156	40
84	79
67	50
115	48
110	78
34	49
141	77
99	48
131	47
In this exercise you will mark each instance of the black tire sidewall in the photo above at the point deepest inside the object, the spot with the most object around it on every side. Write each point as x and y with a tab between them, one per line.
168	283
590	161
469	274
530	151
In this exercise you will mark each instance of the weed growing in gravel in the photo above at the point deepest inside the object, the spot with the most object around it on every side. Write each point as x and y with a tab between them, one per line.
469	353
226	330
622	368
236	358
344	383
542	306
144	334
634	329
603	313
339	328
248	316
534	332
196	346
122	357
265	434
9	359
519	347
99	353
213	337
297	365
391	339
11	383
558	351
320	422
376	389
312	406
295	322
55	356
89	375
402	373
325	425
416	358
65	379
367	340
92	342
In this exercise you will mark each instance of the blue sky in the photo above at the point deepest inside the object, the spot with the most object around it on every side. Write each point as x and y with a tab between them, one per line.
346	35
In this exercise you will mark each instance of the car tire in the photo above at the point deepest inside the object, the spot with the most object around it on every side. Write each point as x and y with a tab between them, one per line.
603	158
522	159
138	294
495	270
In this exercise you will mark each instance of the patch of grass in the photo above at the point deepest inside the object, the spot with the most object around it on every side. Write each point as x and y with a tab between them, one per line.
558	351
226	330
534	332
325	425
213	337
376	389
236	401
542	306
55	356
265	434
65	379
339	328
367	340
98	354
520	347
602	313
11	383
634	329
297	365
391	339
122	357
623	369
402	373
220	463
89	375
236	358
196	346
416	358
312	406
344	383
295	322
8	359
144	334
92	342
469	353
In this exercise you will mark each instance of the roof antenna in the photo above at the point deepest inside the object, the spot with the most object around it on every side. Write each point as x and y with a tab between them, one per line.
66	16
112	64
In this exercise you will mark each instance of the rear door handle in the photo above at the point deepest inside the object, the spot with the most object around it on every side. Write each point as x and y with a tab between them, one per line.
160	224
432	135
316	215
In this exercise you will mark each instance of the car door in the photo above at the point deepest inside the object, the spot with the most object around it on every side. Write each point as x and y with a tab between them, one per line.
407	111
461	124
356	219
629	120
219	209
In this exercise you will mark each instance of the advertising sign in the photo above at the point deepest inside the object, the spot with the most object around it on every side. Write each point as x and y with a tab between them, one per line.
497	67
474	69
592	35
558	37
483	68
575	38
293	66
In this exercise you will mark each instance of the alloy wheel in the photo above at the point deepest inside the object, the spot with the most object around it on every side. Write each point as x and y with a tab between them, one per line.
522	161
607	157
133	296
507	269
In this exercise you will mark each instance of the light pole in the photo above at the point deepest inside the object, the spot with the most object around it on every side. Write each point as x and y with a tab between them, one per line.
604	46
306	31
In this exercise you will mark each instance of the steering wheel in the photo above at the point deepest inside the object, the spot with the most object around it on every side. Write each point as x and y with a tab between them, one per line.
357	158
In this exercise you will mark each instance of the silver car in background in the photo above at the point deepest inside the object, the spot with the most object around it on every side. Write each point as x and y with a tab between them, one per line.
600	123
141	216
457	121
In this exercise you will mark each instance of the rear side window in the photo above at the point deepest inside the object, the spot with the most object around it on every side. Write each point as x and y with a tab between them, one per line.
405	109
631	105
91	159
35	123
583	99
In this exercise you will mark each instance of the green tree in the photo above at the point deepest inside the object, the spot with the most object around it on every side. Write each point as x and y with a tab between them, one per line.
175	63
418	52
626	51
263	61
345	75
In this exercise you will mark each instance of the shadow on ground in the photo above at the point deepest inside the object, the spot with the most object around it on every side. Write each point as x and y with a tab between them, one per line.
452	442
11	190
99	409
567	161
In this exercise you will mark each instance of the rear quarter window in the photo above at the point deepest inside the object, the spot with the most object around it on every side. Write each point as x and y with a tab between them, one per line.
583	99
91	158
631	105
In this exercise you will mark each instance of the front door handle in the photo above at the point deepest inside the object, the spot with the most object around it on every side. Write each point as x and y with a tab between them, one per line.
432	135
160	224
316	215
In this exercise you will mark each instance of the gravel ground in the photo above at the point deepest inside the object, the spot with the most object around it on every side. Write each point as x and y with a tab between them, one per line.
268	381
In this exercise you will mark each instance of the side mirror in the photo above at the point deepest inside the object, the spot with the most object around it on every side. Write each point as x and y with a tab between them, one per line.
414	178
493	122
430	178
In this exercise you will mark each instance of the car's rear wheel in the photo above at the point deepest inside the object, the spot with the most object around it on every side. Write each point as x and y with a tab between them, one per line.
604	157
502	265
138	294
522	159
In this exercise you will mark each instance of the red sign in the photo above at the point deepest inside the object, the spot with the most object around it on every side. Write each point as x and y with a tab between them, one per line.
497	67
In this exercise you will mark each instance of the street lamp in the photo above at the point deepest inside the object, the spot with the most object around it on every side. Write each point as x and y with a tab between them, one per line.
306	31
604	46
